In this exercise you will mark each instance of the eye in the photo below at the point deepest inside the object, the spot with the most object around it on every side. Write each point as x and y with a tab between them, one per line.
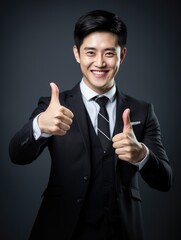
90	53
110	54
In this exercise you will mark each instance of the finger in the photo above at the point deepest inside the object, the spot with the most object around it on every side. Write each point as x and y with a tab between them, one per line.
118	137
121	144
126	120
55	93
66	112
117	145
59	128
64	127
65	119
122	154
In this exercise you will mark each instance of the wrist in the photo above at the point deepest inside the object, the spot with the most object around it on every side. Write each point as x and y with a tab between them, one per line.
40	123
143	152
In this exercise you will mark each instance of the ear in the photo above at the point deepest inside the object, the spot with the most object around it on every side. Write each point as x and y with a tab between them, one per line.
76	53
123	54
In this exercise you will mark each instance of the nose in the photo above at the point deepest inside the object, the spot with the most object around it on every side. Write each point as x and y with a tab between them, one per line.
99	61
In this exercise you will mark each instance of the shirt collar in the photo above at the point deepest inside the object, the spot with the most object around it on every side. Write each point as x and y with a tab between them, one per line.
88	93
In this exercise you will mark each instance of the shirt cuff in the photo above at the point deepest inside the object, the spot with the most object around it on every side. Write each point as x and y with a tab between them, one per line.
36	130
144	160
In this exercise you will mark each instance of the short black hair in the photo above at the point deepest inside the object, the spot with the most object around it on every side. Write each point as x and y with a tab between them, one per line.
99	21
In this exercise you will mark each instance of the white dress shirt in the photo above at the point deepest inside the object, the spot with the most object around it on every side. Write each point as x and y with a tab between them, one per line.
93	107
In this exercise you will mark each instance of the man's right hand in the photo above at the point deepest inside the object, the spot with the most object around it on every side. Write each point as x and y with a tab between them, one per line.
56	120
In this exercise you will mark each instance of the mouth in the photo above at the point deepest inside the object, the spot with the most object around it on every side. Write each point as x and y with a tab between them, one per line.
99	73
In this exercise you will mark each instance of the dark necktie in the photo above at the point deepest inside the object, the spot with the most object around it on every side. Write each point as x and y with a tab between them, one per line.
103	123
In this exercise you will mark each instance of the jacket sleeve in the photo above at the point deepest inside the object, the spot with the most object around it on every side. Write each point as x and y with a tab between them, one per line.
157	171
23	148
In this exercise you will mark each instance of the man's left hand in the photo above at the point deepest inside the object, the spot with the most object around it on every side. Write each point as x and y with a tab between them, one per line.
126	145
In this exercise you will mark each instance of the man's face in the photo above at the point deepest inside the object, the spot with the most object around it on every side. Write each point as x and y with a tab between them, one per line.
100	57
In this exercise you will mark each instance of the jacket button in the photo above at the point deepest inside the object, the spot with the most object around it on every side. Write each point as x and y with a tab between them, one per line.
85	178
79	200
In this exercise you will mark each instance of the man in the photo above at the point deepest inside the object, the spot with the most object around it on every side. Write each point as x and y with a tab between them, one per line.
99	141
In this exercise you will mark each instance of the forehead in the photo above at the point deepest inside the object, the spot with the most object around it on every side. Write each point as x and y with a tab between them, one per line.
100	40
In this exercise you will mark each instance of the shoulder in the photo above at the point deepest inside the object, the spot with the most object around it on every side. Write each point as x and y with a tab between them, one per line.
138	107
133	101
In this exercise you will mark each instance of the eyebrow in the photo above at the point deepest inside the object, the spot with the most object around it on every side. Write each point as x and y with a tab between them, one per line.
106	49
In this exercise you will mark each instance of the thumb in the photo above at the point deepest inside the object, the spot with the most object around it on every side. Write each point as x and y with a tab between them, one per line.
126	120
55	93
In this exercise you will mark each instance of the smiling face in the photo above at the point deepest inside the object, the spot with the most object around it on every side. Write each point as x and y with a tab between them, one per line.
99	57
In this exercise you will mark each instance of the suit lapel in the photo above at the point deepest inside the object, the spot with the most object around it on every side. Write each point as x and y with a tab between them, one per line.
122	104
76	103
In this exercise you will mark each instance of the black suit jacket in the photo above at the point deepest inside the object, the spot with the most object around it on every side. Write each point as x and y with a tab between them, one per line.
71	171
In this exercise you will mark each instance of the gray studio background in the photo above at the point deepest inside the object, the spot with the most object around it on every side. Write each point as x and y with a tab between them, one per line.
36	48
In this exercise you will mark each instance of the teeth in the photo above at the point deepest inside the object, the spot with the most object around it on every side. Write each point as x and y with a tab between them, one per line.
98	72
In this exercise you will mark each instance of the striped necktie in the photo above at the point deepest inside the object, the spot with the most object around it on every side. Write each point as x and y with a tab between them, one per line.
103	123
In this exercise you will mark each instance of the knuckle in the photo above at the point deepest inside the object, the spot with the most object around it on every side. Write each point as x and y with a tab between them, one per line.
54	129
56	122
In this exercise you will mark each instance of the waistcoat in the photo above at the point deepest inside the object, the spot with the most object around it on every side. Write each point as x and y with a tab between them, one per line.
101	195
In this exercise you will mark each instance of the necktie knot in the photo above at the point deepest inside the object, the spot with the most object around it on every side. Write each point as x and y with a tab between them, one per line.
102	101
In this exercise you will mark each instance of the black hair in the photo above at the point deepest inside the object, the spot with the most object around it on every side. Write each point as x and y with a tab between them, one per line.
99	21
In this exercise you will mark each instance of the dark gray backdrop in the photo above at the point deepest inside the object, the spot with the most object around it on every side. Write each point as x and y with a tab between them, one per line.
36	48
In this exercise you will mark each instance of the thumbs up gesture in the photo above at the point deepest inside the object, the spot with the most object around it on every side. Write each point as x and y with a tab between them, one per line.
126	145
56	120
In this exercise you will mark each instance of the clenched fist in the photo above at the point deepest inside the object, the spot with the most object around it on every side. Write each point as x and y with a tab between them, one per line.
56	120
